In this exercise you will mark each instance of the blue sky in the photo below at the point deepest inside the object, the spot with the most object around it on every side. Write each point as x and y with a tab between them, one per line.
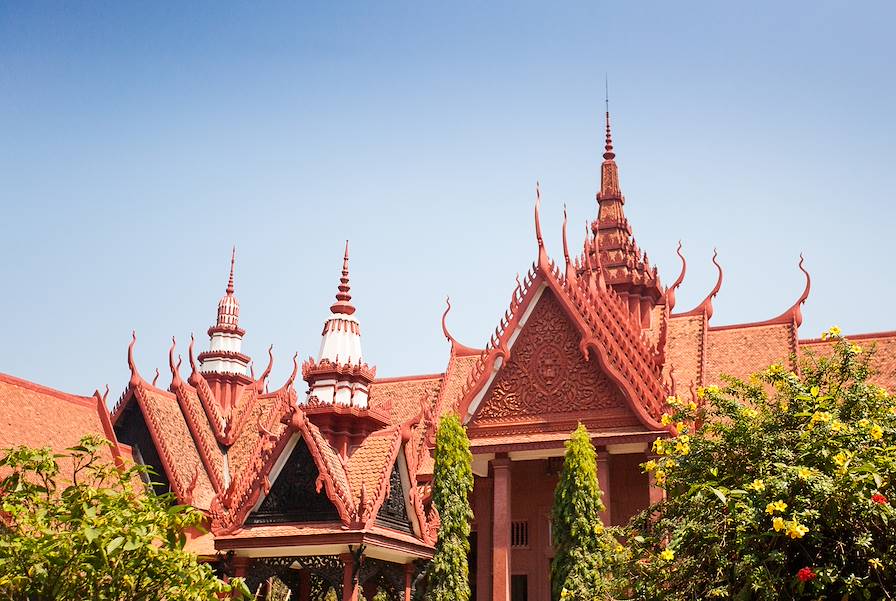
142	140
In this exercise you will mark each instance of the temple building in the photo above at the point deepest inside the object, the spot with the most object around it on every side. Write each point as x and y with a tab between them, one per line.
324	481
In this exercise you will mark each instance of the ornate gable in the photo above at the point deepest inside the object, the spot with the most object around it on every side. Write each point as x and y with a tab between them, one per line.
296	495
547	383
393	512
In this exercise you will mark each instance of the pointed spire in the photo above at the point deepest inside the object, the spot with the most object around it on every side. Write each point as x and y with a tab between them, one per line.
343	298
229	306
232	262
608	145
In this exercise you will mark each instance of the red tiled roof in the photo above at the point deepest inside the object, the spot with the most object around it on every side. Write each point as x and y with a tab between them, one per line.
177	449
883	363
684	350
741	351
37	416
405	396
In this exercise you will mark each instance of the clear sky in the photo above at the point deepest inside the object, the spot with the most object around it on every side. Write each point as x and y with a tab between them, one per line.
141	140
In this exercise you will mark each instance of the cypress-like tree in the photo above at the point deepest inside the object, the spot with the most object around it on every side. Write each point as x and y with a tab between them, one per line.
452	485
584	550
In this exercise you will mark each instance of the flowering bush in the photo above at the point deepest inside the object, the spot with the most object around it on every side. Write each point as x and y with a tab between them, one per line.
777	487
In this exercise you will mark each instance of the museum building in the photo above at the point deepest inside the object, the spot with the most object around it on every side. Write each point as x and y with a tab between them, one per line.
324	481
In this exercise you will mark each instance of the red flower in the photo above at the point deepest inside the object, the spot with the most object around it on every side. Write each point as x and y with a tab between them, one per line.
806	574
879	499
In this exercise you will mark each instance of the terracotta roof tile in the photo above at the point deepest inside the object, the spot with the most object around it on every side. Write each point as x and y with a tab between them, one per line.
459	368
371	463
883	363
37	416
179	452
742	351
684	350
404	395
240	453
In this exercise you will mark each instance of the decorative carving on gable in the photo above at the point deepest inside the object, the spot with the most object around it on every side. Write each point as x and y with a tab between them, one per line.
546	373
393	512
296	495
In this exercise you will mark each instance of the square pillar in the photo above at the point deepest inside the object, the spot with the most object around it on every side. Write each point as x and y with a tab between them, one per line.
483	514
501	528
603	479
349	582
408	580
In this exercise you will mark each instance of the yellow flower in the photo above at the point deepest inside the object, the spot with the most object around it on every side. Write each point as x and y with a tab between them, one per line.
837	426
749	412
875	563
796	530
841	458
660	477
666	419
673	401
650	466
713	389
682	448
771	508
778	524
804	473
701	392
684	438
692	406
834	332
814	392
667	555
659	446
681	427
757	485
876	432
855	349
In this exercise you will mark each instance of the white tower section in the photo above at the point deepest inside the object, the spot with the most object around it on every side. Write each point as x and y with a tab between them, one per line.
224	355
340	376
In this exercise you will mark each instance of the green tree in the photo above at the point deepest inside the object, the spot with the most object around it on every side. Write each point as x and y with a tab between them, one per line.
585	553
94	532
452	485
782	492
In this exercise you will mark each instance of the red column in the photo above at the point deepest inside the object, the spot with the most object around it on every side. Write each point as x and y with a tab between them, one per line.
501	529
349	588
408	579
603	479
483	514
240	567
305	585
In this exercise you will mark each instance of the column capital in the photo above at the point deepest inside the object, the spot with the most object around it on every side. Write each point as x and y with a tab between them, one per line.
501	461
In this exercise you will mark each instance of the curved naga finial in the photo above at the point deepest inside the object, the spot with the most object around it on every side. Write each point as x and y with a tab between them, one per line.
542	253
156	377
132	365
194	369
794	313
176	380
706	306
295	370
260	382
670	291
570	268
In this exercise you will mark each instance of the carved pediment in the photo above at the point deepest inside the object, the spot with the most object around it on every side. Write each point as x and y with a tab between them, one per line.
393	512
547	375
295	495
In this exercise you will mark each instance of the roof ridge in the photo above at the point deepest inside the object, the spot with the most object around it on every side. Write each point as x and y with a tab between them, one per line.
34	386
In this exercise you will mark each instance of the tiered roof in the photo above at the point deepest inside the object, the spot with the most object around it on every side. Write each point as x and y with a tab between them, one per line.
220	439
